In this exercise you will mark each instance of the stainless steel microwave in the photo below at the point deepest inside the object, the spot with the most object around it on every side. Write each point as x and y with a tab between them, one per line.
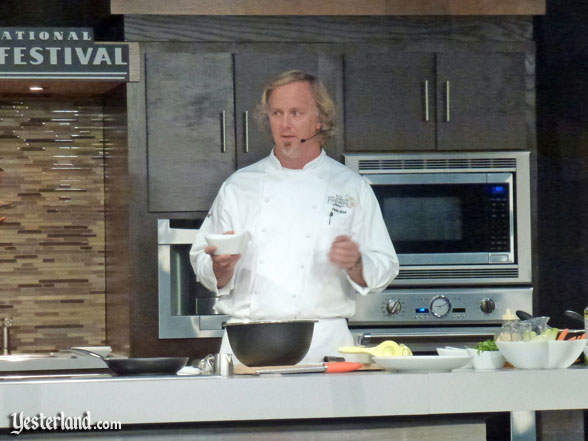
454	217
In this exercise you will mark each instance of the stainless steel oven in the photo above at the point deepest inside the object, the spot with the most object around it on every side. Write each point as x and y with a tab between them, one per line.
455	218
186	308
425	318
461	225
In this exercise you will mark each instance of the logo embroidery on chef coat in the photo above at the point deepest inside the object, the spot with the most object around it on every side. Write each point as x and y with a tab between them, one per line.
339	203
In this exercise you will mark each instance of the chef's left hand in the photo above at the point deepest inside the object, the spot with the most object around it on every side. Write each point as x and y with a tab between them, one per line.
344	252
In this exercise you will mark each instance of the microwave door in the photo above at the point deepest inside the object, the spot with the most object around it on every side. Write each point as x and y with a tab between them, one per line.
442	219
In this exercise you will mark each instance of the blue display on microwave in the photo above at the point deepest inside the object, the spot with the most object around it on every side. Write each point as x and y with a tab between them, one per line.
497	189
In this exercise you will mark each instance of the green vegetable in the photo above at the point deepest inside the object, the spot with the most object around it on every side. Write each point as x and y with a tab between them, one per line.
488	345
546	335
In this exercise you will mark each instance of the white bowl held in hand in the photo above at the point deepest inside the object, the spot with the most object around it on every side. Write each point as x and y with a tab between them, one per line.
553	354
486	360
228	243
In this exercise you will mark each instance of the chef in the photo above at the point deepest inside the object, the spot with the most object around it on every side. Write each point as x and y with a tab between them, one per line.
318	238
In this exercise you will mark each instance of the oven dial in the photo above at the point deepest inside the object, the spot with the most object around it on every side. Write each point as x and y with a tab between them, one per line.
393	307
440	306
487	305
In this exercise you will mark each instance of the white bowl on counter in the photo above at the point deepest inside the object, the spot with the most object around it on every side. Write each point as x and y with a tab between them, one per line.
449	351
486	360
562	354
553	354
422	363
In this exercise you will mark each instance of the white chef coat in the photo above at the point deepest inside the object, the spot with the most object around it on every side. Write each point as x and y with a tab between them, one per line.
293	217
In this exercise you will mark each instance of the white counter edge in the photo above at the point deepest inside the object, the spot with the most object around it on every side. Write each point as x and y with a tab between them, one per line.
167	399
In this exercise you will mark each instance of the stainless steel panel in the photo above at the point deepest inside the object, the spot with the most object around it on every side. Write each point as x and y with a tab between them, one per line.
425	339
465	304
184	311
438	178
167	235
445	269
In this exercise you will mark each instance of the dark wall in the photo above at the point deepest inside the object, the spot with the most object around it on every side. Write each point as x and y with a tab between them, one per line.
64	13
562	130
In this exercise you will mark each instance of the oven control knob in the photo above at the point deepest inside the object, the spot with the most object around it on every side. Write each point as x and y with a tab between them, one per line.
393	307
488	305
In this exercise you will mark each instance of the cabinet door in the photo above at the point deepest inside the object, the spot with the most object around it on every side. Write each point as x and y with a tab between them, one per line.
252	71
190	128
481	98
389	101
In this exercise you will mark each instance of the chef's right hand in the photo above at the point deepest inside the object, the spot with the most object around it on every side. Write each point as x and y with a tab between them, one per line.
223	265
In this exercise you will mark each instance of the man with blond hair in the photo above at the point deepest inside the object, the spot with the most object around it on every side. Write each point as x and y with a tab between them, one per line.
318	238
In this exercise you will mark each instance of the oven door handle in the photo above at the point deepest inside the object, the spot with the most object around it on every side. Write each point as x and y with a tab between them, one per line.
415	335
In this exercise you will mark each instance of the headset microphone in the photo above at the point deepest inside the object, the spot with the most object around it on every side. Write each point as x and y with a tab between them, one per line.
303	140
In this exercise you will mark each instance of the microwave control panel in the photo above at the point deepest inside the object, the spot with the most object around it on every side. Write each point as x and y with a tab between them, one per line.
499	220
462	305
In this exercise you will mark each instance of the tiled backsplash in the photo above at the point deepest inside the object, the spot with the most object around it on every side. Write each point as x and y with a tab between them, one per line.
52	281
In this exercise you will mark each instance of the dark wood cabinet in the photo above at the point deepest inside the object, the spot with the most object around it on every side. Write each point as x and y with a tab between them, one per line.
481	101
201	106
190	128
405	101
389	101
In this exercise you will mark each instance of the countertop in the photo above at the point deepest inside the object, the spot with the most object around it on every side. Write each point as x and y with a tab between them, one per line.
173	399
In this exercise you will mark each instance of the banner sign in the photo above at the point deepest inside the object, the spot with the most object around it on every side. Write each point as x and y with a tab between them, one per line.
60	53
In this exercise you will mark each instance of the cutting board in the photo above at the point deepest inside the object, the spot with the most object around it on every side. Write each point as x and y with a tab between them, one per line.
244	370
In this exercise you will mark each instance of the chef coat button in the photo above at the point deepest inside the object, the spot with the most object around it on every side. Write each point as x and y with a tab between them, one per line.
314	206
301	266
263	230
308	235
267	200
261	262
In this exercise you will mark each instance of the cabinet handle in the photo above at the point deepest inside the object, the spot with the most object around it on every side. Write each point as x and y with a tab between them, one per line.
223	131
246	131
427	118
447	101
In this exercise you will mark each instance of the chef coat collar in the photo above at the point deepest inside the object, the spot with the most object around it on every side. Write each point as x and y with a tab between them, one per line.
312	166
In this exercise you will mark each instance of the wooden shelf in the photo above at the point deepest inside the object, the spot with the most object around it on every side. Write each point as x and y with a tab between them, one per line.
328	7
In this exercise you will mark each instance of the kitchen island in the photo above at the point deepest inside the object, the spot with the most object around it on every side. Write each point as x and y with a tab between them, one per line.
217	407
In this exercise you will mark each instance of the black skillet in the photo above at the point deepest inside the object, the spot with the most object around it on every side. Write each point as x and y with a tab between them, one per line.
523	315
574	316
141	366
569	314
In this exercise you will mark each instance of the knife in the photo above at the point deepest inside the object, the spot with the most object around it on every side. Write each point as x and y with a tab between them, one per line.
329	368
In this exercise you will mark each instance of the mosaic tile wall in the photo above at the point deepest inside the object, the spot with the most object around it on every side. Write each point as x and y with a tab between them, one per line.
116	212
52	222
